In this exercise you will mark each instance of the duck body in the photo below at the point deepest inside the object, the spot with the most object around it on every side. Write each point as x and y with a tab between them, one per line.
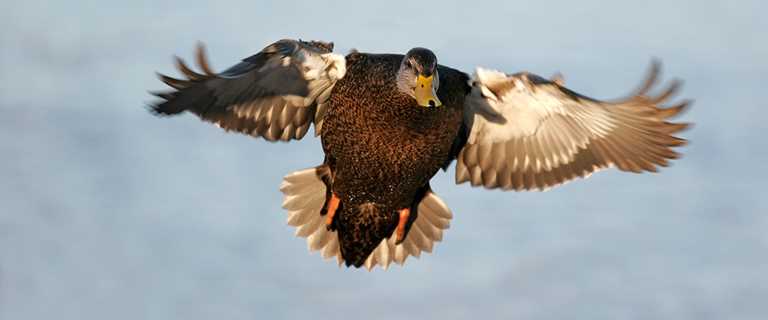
382	148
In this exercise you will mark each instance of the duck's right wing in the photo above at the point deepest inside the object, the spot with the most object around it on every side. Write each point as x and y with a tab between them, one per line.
275	94
527	132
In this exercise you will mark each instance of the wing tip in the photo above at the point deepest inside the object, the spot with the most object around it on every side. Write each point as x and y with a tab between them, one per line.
202	59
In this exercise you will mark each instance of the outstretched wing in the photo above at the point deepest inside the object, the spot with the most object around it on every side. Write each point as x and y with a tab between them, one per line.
275	94
527	132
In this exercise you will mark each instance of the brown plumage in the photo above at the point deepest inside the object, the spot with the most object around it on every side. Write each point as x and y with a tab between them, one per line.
380	167
389	122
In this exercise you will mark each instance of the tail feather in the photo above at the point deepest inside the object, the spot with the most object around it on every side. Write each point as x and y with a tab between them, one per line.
431	208
304	193
304	196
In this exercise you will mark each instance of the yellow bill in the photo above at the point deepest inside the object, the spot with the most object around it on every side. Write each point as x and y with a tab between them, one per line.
425	92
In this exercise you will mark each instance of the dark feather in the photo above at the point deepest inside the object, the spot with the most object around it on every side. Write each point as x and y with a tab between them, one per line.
221	98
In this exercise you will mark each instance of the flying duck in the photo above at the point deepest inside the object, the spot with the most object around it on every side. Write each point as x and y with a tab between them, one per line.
389	122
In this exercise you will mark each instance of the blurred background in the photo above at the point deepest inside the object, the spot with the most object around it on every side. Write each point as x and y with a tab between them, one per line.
109	212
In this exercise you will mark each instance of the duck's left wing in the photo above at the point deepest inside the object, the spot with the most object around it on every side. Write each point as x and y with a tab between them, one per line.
275	94
527	132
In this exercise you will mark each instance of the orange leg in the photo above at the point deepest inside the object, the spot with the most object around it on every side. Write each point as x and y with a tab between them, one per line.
333	205
400	231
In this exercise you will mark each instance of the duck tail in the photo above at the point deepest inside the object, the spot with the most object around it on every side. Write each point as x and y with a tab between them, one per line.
432	218
304	195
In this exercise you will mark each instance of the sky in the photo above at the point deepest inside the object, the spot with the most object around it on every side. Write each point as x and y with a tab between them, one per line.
109	212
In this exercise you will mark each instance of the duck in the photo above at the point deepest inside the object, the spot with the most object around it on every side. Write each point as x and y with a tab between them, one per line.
388	123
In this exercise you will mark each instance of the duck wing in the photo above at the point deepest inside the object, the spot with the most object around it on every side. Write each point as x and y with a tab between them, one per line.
275	94
526	132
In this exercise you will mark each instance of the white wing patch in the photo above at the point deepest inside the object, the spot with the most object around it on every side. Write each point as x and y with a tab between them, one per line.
304	196
518	101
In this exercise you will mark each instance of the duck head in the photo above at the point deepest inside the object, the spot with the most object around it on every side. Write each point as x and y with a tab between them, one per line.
418	78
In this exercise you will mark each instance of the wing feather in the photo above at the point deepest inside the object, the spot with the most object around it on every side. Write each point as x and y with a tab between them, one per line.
275	94
527	132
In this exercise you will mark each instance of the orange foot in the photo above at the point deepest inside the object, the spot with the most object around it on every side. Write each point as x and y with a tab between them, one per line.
333	205
400	231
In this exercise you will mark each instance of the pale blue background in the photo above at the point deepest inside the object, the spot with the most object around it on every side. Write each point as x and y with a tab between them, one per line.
109	213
